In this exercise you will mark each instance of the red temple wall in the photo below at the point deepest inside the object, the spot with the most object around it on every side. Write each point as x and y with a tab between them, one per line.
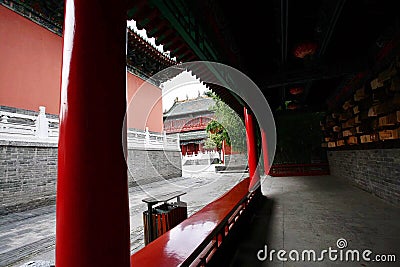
30	64
30	73
144	105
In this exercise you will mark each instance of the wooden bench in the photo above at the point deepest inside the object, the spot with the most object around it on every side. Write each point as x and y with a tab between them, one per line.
193	241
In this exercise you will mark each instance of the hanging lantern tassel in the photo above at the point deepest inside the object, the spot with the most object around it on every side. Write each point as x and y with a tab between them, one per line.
296	90
305	49
293	106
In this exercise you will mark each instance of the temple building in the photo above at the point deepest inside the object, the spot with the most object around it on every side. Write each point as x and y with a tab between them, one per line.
189	118
320	102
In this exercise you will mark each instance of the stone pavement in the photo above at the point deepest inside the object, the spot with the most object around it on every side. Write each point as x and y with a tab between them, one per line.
316	213
27	238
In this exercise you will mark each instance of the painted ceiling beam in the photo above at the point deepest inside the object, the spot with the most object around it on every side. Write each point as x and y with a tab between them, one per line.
317	73
194	37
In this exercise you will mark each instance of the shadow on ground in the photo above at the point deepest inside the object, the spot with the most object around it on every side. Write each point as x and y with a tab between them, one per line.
248	236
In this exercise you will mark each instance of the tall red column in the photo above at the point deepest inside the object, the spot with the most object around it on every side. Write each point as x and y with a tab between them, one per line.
252	155
265	151
92	223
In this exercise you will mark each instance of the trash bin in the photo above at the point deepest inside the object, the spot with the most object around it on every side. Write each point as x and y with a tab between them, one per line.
159	219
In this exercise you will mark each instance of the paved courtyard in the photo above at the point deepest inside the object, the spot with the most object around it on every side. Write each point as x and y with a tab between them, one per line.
317	213
30	236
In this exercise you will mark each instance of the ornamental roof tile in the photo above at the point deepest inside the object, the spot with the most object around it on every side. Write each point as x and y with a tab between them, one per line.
197	105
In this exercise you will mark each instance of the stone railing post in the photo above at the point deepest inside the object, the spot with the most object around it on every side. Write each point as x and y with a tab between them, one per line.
42	124
165	138
4	121
147	138
178	142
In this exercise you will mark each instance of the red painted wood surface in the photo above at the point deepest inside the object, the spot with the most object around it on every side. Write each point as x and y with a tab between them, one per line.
177	245
92	219
265	152
313	169
252	155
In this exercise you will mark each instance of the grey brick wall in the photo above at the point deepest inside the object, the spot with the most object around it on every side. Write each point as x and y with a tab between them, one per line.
376	171
153	165
27	176
236	160
28	173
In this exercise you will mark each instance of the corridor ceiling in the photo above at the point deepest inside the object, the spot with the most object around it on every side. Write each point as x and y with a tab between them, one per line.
260	38
352	40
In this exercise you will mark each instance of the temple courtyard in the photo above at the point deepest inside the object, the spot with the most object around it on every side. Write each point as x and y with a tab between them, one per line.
28	237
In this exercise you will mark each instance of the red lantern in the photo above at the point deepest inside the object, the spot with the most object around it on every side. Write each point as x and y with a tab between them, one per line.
305	49
293	106
296	90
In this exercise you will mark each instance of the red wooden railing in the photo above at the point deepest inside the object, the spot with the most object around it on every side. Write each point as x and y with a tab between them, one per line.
279	170
195	240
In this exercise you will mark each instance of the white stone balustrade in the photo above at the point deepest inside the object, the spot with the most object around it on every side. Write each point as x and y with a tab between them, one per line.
152	141
28	128
207	155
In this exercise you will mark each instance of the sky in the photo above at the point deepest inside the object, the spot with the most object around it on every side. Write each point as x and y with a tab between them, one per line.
183	86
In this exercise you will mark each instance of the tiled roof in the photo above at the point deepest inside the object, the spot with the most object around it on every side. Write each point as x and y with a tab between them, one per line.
193	135
199	104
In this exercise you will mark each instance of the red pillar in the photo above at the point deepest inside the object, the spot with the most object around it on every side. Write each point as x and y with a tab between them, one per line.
92	223
252	155
223	151
265	152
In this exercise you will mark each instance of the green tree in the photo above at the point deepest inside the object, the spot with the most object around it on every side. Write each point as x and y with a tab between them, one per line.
216	135
227	126
212	142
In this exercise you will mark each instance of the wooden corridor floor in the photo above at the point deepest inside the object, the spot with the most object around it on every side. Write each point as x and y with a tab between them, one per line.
312	213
